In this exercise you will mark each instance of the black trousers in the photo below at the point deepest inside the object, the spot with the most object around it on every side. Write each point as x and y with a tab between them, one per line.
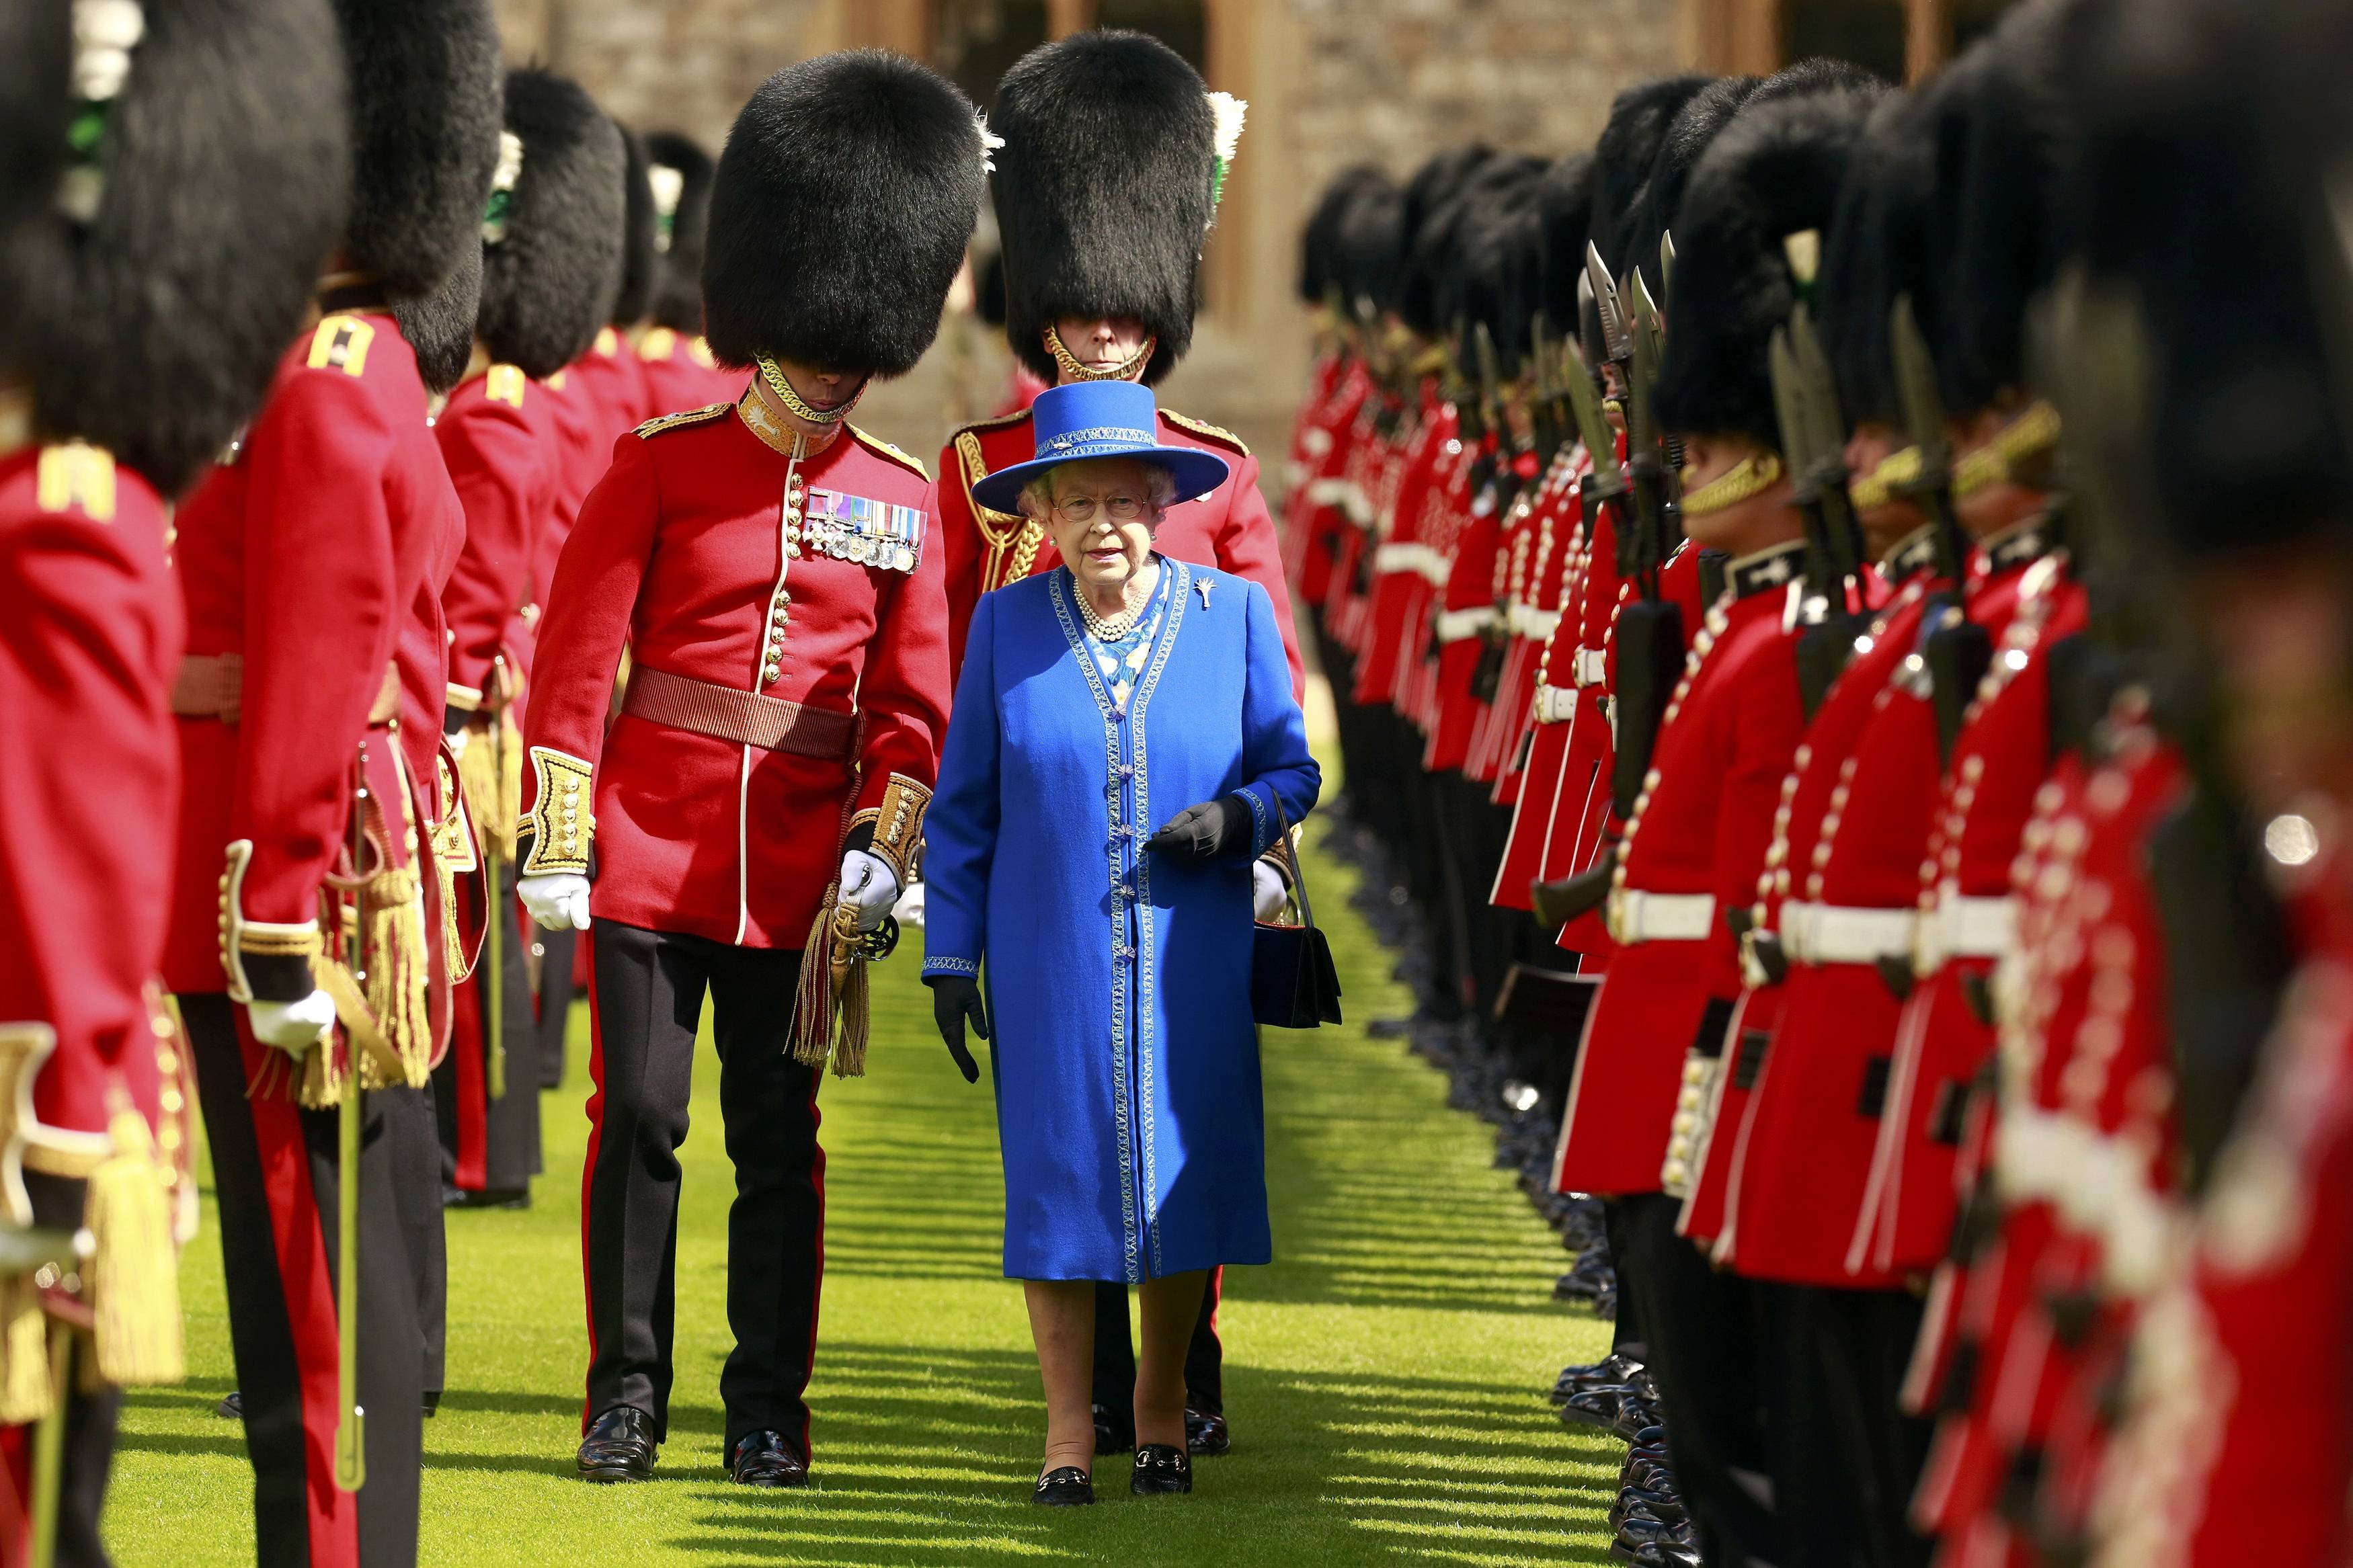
275	1331
650	988
511	1154
555	1004
408	1119
1864	1341
1625	1336
1700	1327
1115	1377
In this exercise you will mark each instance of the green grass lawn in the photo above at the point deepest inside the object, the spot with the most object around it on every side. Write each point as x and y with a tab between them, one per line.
1384	1376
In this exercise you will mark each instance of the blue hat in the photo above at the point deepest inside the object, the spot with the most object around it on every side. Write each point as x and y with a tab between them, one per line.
1100	419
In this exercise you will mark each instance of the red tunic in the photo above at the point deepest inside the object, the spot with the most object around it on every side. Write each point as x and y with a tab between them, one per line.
1691	849
87	649
680	374
1554	705
611	376
499	436
686	552
1403	562
1315	506
1229	528
308	554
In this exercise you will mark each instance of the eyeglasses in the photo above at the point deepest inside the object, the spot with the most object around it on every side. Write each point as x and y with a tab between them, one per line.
1077	510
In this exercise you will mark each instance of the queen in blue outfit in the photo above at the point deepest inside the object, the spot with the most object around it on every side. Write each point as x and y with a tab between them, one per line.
1123	742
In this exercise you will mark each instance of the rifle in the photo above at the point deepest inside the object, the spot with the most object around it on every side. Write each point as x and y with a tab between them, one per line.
1806	401
1958	651
1548	409
1650	633
351	1442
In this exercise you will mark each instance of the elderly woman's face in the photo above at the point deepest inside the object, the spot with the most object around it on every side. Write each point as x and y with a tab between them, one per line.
1103	519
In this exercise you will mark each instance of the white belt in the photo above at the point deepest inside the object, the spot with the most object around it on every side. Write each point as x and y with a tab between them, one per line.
1635	916
1317	440
1328	492
1829	933
1418	559
1527	621
1963	926
1453	626
1555	704
1436	568
1358	505
1591	666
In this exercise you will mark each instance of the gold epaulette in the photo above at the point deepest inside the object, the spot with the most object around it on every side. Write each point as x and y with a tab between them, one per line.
875	443
1002	420
505	384
75	474
708	410
658	344
1206	430
340	344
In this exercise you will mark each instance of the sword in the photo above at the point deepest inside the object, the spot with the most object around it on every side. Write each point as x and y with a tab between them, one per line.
494	989
49	1448
351	1443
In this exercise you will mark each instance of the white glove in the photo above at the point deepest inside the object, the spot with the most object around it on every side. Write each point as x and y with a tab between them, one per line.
291	1026
868	886
909	910
1267	898
556	899
458	739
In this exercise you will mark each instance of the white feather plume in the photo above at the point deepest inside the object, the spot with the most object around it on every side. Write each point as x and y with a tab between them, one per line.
1229	112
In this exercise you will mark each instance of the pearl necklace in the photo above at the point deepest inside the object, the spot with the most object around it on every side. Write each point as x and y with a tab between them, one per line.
1111	628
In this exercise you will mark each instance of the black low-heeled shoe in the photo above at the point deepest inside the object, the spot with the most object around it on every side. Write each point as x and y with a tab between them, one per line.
1068	1487
1160	1471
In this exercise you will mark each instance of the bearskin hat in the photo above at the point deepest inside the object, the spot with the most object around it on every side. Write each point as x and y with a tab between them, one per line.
1695	124
634	288
153	327
35	67
1775	170
1440	179
1429	292
1630	143
441	326
2001	153
844	200
1319	241
1102	190
2209	134
1493	279
549	257
1564	216
678	174
425	135
1876	249
1368	254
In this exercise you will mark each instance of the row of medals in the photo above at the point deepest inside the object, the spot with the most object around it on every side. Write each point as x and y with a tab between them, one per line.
848	545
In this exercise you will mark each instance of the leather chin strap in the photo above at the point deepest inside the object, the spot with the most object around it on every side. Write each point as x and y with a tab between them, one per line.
1130	369
771	374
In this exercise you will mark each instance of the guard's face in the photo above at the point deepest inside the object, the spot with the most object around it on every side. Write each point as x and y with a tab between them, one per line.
1885	526
823	389
1102	342
1102	520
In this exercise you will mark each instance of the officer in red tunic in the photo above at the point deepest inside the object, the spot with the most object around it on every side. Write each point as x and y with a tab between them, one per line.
108	409
554	234
1105	189
298	946
775	574
1696	838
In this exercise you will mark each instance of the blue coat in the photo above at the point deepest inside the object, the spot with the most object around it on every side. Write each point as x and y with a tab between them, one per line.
1124	1057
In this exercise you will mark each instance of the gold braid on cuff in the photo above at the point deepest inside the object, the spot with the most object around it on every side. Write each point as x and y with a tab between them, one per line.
772	374
899	825
1753	475
561	822
1129	369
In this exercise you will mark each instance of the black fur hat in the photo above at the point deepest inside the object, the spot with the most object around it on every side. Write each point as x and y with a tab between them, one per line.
1428	293
1440	179
1369	251
1876	249
548	265
1564	199
844	200
424	134
1319	241
2001	156
154	329
35	65
1102	190
635	295
439	326
679	173
1630	143
1775	171
1695	124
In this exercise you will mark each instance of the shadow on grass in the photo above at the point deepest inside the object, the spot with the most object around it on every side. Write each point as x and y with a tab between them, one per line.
924	1456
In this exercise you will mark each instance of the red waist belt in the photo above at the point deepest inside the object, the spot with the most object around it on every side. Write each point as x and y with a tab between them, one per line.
746	718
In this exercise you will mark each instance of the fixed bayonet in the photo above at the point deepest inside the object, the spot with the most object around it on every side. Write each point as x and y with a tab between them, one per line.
1958	651
1617	334
1666	267
1824	466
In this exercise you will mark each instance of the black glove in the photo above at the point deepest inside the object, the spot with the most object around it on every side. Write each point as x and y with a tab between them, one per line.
954	998
1204	832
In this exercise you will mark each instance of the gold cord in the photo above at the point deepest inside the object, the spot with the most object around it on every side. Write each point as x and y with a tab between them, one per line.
2031	435
1130	369
1751	475
794	406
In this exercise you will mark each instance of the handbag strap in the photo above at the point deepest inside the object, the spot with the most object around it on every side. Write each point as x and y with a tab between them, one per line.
1290	853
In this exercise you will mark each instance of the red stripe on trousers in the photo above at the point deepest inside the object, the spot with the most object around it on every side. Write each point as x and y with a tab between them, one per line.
584	947
308	1287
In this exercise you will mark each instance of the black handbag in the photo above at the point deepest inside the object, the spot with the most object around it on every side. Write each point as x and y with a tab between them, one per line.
1293	985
